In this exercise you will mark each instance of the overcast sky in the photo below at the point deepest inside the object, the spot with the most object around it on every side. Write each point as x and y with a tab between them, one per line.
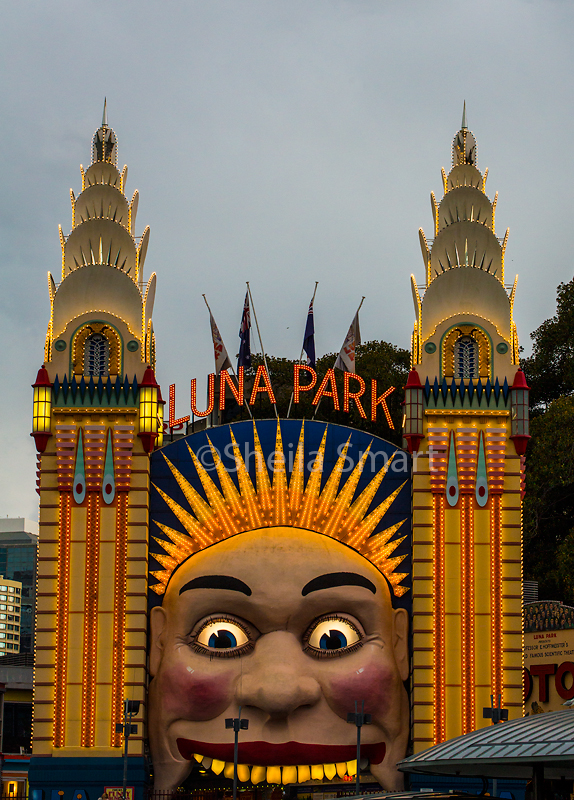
280	142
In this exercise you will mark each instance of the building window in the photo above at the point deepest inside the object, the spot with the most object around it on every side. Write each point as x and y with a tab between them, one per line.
466	358
97	355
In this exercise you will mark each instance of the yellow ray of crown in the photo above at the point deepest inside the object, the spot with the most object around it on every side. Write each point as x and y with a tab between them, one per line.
330	511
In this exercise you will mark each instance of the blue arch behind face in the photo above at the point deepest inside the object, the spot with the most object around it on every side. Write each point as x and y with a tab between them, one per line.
337	436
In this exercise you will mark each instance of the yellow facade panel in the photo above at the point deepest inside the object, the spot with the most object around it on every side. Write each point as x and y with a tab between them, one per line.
102	716
422	640
423	551
137	550
75	647
137	515
425	713
512	570
482	526
106	577
452	648
422	659
139	480
482	649
454	715
49	550
45	639
513	659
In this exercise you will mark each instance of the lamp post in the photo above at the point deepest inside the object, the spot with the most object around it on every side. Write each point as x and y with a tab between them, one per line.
131	708
42	410
149	416
413	419
359	718
237	725
519	410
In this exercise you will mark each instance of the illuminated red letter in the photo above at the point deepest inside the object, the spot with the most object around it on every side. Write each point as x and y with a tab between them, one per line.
297	388
348	395
542	671
226	380
566	668
322	390
172	420
211	394
382	401
262	373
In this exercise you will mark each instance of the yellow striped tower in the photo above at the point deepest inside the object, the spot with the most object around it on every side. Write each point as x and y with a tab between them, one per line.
95	421
466	421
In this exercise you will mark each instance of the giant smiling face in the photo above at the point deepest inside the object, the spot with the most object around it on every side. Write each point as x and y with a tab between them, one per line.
293	627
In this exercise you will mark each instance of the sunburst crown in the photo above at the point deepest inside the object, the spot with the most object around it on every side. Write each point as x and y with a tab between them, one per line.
231	509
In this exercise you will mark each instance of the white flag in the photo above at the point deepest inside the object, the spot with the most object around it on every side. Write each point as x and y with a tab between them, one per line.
346	358
221	358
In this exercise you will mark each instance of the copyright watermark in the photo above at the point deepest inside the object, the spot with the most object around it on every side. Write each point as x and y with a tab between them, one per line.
372	460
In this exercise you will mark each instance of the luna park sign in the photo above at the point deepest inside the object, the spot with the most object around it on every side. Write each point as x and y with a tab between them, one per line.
354	391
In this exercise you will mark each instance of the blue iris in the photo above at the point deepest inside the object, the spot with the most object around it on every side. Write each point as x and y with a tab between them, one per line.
222	639
334	640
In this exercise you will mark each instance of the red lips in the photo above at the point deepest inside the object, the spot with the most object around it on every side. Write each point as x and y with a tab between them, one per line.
264	754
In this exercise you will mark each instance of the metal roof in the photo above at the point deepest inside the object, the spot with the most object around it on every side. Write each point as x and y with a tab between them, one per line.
509	749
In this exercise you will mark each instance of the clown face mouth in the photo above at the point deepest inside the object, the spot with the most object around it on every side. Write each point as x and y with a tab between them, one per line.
292	762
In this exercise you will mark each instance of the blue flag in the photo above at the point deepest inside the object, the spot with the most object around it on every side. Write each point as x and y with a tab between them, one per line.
244	357
309	338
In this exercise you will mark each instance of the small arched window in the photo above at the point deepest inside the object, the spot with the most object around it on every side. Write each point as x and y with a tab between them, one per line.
466	358
97	355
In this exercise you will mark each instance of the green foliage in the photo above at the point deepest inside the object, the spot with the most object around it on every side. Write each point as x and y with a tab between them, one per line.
549	502
550	369
381	361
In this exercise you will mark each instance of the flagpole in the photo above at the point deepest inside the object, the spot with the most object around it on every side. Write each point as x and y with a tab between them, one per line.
260	341
230	363
319	403
302	349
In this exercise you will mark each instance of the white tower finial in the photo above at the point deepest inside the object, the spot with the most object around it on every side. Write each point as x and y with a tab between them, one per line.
105	114
463	126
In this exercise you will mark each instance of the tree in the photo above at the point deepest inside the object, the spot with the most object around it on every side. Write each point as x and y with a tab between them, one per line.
381	361
549	502
550	369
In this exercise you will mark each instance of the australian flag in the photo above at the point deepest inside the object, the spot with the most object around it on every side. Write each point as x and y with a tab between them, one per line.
244	357
309	338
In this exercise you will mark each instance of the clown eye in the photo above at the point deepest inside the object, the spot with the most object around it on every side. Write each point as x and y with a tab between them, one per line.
222	637
331	636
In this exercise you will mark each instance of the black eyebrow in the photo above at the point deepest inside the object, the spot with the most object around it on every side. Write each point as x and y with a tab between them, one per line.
217	582
338	579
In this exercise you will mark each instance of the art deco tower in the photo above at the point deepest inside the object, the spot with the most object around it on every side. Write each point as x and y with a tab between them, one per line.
467	416
95	421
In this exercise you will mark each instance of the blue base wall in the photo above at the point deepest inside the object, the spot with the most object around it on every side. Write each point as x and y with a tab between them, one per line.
85	776
507	788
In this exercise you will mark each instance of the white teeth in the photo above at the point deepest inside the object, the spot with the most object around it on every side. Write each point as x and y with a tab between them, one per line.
341	769
280	775
217	766
289	774
273	774
258	774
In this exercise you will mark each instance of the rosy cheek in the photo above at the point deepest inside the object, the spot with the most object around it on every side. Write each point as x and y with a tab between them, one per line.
376	684
193	695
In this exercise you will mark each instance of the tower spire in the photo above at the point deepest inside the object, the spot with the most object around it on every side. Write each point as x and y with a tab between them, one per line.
463	126
105	114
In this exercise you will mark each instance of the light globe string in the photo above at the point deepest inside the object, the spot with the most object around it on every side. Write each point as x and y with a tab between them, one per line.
331	511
